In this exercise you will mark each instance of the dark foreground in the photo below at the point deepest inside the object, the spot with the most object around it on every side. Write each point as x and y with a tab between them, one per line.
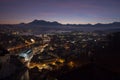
90	72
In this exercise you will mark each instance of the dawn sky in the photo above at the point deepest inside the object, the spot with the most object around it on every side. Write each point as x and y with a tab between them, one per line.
63	11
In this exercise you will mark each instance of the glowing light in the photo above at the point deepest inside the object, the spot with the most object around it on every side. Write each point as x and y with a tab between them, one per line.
44	65
71	64
61	60
32	40
53	63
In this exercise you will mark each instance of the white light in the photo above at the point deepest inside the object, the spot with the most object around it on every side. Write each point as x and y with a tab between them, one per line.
32	40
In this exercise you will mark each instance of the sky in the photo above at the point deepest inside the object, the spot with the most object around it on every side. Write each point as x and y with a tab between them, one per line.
63	11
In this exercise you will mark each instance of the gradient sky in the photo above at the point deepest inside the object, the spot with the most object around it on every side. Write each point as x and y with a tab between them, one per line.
63	11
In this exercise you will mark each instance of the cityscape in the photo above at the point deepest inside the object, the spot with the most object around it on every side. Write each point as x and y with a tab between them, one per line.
50	56
59	40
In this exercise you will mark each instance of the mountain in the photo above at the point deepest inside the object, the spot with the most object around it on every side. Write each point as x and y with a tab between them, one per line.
55	23
44	23
41	26
114	24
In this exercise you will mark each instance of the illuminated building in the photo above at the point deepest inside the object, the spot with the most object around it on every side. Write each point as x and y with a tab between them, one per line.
26	55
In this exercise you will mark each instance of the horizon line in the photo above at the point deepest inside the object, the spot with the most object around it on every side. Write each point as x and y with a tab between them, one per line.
58	22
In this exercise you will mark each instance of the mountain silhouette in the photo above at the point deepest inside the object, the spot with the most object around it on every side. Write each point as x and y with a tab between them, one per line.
38	26
45	23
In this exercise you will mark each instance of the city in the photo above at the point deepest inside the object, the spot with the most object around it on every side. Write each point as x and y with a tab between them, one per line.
59	40
41	56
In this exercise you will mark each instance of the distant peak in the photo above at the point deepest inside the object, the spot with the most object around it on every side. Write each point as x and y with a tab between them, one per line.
39	20
116	22
43	22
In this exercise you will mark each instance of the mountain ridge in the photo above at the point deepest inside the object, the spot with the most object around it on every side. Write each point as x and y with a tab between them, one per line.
55	23
38	26
88	24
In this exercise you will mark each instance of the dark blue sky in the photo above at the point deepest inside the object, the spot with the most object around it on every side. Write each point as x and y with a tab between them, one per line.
64	11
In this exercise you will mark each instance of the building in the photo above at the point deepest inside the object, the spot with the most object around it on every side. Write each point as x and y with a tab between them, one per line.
26	55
